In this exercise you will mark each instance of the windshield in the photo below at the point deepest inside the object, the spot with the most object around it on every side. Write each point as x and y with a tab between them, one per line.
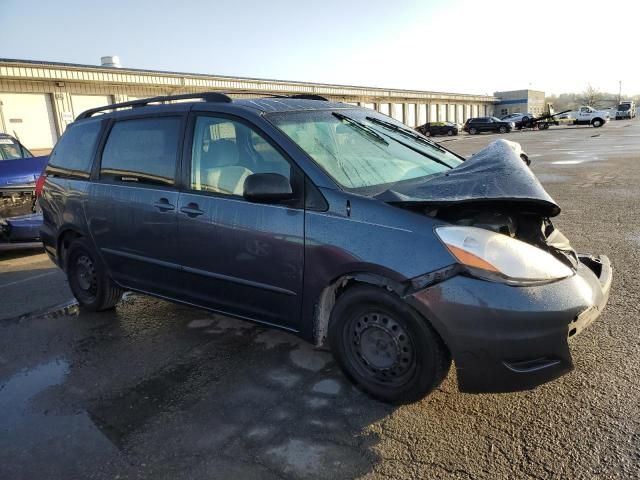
10	150
362	151
623	107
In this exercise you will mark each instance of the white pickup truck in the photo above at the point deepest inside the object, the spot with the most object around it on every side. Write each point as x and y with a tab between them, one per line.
589	116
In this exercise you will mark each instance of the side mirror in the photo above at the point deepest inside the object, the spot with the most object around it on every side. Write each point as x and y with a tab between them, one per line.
267	187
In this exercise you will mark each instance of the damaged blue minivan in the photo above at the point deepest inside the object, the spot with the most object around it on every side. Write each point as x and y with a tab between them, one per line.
333	222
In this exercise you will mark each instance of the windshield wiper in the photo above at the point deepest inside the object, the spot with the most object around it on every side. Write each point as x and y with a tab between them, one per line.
360	126
406	132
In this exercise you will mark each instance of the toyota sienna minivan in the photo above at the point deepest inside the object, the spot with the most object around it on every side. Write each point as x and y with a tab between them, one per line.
333	222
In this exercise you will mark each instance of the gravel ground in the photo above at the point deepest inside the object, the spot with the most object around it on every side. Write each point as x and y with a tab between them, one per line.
157	390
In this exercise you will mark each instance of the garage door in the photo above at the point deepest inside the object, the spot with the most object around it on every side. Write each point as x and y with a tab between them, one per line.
80	103
30	116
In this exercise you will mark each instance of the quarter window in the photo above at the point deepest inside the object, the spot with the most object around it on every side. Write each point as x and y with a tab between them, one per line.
142	151
73	154
226	152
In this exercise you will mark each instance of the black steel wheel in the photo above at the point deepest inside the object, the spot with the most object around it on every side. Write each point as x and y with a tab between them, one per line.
386	347
88	278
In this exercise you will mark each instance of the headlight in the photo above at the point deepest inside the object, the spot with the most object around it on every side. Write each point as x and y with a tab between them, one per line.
497	257
513	124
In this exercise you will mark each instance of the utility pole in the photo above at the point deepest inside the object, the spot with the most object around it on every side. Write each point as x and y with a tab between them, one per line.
620	92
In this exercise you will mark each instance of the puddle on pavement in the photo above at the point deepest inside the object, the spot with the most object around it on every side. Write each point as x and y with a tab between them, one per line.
552	178
567	162
17	392
635	238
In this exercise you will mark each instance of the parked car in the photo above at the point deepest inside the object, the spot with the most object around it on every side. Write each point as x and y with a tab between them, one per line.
487	124
333	222
19	170
438	128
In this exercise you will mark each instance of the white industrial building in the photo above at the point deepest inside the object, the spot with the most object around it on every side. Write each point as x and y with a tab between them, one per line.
39	99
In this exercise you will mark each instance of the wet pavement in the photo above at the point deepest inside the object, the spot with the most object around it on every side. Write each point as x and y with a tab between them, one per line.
158	390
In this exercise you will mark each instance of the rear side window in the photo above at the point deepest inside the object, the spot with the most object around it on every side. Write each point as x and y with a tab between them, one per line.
73	154
142	151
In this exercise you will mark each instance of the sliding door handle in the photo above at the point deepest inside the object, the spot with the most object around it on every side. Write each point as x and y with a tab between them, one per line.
164	206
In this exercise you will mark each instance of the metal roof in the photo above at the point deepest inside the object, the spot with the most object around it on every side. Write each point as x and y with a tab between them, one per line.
58	71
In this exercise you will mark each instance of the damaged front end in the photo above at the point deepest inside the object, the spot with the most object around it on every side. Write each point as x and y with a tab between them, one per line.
494	190
518	290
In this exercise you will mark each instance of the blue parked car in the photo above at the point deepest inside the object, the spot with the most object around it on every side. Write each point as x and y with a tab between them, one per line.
333	222
19	172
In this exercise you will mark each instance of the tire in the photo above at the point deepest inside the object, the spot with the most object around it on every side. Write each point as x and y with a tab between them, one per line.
427	133
89	281
503	129
473	131
597	122
385	347
450	132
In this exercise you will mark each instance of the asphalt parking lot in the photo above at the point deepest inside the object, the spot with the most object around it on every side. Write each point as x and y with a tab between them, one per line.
157	390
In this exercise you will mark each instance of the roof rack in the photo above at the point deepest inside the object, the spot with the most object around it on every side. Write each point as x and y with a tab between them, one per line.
206	96
309	96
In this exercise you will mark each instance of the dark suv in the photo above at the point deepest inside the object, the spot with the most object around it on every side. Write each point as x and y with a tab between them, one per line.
487	124
333	222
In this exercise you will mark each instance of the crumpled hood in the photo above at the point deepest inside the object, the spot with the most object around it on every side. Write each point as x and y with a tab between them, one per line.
495	174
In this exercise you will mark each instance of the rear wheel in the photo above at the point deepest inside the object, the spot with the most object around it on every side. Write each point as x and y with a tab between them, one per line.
386	347
427	133
88	279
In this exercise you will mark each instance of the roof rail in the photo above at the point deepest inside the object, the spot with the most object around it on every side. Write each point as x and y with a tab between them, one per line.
309	96
206	96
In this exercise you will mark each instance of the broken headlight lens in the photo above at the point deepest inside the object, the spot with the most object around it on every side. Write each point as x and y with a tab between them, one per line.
497	257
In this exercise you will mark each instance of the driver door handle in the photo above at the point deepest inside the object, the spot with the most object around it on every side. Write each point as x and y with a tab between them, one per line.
191	210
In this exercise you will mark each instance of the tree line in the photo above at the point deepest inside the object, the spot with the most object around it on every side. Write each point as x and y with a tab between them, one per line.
591	96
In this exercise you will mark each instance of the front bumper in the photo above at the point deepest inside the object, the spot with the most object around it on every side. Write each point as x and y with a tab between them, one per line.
504	338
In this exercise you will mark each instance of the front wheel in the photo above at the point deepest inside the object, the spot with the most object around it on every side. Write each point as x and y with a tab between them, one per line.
450	132
503	129
473	131
88	278
386	347
597	122
427	133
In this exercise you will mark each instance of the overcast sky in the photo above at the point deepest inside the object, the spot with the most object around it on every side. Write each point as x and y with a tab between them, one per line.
477	46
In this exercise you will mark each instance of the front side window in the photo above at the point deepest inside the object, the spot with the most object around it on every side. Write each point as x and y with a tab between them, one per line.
73	154
225	152
9	150
363	151
142	151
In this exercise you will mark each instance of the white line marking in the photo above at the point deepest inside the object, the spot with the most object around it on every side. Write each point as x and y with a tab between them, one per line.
28	279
